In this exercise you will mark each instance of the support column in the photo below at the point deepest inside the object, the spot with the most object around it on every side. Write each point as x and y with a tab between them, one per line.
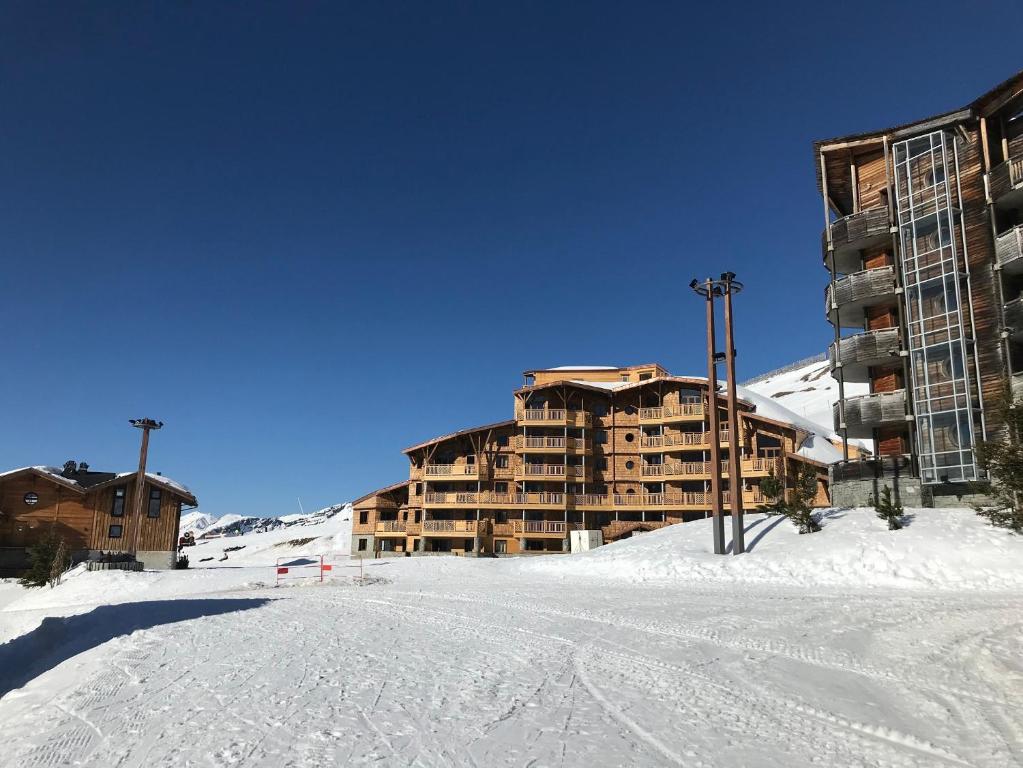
712	415
734	465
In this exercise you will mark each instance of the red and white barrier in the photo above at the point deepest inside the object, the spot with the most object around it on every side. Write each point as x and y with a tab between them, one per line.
313	570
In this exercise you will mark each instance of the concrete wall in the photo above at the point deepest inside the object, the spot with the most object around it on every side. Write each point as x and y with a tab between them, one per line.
369	546
156	559
859	493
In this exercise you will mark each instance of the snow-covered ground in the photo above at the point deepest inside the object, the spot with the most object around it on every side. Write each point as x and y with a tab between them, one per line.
852	647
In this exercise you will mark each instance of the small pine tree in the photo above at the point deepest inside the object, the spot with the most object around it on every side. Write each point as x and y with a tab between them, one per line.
888	510
61	560
799	508
182	562
1003	461
40	556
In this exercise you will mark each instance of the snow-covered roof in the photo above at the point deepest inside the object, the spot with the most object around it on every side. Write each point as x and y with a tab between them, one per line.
611	385
583	368
56	475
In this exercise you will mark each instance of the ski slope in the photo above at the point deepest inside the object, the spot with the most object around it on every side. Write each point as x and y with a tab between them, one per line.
836	649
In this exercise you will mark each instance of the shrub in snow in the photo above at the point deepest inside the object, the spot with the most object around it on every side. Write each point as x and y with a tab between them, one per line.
799	506
889	510
1003	460
182	562
43	559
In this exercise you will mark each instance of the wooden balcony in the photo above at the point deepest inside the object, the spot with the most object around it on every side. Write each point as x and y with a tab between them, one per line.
571	445
541	529
865	412
396	528
691	411
845	301
1009	250
564	472
851	234
682	441
452	471
449	527
854	355
552	417
1006	182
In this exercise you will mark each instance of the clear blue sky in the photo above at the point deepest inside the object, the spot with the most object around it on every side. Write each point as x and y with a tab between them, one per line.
307	235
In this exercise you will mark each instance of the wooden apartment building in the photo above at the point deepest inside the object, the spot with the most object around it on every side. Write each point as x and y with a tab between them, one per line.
91	511
923	242
622	450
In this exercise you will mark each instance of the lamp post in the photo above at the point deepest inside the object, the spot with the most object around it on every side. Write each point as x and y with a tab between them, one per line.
709	289
731	287
140	481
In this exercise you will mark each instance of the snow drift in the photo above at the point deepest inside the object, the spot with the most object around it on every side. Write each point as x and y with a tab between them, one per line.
939	549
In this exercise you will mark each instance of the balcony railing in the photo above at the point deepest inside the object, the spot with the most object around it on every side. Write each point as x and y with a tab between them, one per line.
851	234
541	527
449	526
865	412
554	417
672	412
552	443
487	499
452	470
857	353
680	440
391	526
1009	249
1014	317
859	290
1006	177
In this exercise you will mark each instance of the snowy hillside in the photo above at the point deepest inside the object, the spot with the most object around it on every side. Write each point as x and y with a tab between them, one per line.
808	391
199	523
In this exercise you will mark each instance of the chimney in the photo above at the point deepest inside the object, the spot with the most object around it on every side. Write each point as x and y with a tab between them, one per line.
70	469
83	467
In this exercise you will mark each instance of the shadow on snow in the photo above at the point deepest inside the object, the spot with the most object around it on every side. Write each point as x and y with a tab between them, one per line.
58	639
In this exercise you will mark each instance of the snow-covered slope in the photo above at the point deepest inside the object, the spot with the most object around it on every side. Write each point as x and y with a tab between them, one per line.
938	549
807	392
199	523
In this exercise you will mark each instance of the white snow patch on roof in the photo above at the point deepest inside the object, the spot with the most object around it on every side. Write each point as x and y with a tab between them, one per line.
602	384
583	368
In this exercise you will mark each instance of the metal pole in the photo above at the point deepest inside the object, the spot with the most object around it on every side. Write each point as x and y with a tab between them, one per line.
140	486
715	429
734	465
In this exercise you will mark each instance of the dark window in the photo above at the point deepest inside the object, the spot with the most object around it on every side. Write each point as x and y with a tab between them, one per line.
602	462
629	464
645	376
363	518
419	489
502	440
115	532
502	462
417	515
154	502
500	547
362	545
468	545
629	437
630	409
470	460
501	516
600	436
117	508
501	487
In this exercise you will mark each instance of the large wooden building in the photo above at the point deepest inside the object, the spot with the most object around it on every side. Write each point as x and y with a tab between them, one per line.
622	450
91	511
923	242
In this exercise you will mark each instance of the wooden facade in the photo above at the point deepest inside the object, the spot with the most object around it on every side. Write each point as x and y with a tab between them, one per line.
91	511
964	170
623	450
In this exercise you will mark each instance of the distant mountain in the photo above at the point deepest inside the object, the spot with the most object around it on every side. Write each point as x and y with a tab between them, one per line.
200	523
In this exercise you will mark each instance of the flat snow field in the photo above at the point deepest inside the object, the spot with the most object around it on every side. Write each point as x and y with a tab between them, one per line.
851	647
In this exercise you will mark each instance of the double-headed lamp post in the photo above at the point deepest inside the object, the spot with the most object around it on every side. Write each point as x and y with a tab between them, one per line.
725	287
140	482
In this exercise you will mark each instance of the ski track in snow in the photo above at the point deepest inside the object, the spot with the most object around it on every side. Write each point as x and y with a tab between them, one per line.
492	672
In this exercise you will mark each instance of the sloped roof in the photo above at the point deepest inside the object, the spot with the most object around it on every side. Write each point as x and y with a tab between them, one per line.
84	482
380	491
459	433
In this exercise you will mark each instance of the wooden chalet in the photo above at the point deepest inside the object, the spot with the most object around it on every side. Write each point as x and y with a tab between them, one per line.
91	511
623	450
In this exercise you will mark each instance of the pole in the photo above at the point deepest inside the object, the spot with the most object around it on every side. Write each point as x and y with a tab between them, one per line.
734	465
140	487
715	429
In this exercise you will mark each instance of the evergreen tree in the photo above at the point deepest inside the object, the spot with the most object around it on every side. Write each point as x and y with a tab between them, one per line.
41	556
799	508
61	560
1003	460
889	510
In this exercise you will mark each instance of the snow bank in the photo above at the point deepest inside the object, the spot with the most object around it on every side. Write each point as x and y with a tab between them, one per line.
940	549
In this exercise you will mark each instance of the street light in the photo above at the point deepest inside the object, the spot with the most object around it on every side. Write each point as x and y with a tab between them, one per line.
140	482
725	287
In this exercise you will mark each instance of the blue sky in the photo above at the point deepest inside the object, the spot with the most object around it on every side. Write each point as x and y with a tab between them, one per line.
308	235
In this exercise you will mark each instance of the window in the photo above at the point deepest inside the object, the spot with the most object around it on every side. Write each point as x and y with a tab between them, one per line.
602	462
468	545
502	440
624	377
501	462
629	437
645	376
630	410
500	487
600	409
117	508
419	489
362	545
154	502
363	517
630	464
500	547
115	532
470	460
600	436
